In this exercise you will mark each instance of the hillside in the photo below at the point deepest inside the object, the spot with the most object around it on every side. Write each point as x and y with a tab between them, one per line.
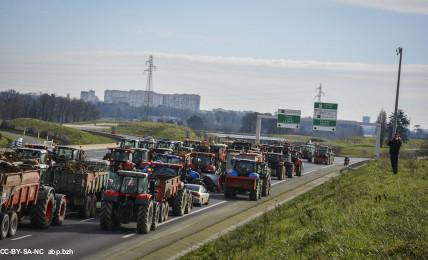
59	133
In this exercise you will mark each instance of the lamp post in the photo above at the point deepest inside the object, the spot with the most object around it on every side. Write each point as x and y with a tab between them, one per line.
394	129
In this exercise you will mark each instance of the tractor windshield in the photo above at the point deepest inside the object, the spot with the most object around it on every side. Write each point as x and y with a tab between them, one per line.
124	143
119	156
134	185
167	159
140	156
244	167
202	161
65	154
159	170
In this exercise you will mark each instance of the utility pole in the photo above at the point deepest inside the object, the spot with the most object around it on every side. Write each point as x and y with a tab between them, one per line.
399	52
148	97
319	93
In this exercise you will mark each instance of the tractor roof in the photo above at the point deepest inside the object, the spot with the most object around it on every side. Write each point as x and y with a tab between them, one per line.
132	174
167	165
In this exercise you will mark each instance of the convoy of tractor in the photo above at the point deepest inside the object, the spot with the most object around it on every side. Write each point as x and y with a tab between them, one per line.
141	180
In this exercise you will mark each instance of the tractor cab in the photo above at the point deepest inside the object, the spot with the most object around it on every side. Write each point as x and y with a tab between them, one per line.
121	159
147	144
128	143
168	158
158	169
140	157
248	168
36	157
68	154
129	197
202	162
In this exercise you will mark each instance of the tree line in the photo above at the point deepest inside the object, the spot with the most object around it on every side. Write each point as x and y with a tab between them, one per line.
47	107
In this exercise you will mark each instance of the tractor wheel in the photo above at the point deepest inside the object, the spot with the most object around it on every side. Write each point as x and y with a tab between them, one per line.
289	170
42	213
228	192
179	203
61	207
280	173
85	209
255	194
166	211
13	226
108	217
93	211
266	187
156	215
299	170
145	218
4	225
189	203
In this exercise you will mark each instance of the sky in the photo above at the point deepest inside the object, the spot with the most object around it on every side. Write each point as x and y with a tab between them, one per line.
237	54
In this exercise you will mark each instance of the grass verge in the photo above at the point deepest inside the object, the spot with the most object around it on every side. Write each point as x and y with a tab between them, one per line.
156	129
59	133
366	214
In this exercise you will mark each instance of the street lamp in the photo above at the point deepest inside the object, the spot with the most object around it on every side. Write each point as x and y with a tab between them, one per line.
394	129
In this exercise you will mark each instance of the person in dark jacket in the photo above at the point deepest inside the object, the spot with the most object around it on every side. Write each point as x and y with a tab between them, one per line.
394	150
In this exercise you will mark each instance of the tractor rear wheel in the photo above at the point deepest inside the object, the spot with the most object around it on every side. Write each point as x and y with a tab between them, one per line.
166	210
229	192
93	207
85	209
189	203
4	225
179	203
156	215
280	172
266	187
61	206
145	218
42	213
108	217
255	194
13	226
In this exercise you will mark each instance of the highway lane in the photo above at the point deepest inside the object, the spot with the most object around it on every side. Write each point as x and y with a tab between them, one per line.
85	237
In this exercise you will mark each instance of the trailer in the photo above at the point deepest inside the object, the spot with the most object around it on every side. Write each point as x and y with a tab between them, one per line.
24	195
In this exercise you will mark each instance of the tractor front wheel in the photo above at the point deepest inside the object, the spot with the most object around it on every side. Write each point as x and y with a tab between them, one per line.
61	206
144	218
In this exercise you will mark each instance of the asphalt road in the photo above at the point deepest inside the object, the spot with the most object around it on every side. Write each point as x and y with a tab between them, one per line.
84	237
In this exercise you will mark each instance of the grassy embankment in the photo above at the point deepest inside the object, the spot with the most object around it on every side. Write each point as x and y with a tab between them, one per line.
60	134
5	140
145	128
366	214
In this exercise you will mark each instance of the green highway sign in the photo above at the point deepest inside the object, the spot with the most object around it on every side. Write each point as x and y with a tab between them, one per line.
288	118
325	116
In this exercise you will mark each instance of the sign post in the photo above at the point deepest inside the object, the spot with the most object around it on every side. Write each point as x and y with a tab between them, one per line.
325	116
288	118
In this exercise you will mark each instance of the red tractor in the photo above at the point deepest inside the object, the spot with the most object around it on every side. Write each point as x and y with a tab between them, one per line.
129	198
121	159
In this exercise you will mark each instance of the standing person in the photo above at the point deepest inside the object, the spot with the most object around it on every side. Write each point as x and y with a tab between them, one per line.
394	150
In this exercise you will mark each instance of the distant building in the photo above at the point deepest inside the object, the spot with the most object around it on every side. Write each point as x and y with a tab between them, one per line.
366	119
89	96
136	98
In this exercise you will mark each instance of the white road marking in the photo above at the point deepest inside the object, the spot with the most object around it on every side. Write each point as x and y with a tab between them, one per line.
18	238
86	220
327	166
278	182
176	218
192	212
129	235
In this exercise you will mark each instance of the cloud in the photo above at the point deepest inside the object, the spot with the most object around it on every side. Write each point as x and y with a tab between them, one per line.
276	63
401	6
